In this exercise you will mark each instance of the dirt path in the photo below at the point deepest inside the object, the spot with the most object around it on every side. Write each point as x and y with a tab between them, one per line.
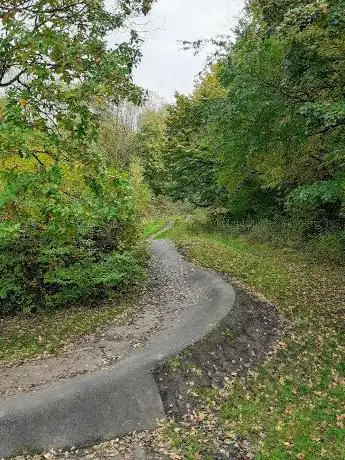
240	341
161	302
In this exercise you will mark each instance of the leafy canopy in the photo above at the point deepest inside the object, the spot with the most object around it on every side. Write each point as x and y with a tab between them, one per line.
56	63
263	132
67	215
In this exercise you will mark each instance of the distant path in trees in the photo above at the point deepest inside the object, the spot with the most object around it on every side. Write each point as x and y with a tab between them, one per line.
168	226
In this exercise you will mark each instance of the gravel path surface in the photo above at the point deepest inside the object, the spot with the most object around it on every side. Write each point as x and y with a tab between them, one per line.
172	287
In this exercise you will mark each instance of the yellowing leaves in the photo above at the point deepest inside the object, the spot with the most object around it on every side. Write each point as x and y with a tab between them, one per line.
279	425
24	102
324	7
340	421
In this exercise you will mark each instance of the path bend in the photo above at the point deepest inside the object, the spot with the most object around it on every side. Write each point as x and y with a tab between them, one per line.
123	398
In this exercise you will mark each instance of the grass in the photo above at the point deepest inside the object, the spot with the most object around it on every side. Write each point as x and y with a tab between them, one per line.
153	227
291	407
23	336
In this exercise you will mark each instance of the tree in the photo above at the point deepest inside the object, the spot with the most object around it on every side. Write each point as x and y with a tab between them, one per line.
150	146
55	61
262	135
67	215
191	163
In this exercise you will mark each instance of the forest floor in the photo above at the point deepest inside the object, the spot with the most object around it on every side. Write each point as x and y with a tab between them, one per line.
26	337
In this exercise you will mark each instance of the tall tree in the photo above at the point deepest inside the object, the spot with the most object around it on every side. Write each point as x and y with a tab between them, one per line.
150	146
268	123
191	163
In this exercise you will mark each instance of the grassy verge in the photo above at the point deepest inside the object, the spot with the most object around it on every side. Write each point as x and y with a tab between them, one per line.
154	227
151	227
292	405
23	337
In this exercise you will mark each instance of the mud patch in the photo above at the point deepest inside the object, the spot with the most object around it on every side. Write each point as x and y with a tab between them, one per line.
238	344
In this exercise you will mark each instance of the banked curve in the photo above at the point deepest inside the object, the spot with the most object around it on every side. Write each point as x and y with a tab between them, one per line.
124	398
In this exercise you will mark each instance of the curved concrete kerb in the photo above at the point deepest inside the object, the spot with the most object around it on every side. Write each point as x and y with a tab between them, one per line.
124	398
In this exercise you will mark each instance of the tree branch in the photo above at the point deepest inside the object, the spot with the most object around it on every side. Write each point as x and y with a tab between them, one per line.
13	80
37	159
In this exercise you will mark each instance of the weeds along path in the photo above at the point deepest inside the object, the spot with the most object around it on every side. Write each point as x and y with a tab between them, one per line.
180	306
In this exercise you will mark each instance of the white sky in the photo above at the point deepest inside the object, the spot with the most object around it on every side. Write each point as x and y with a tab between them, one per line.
165	68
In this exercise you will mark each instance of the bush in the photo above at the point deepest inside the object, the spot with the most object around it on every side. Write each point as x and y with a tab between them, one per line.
277	231
330	247
281	231
97	280
65	235
164	206
320	205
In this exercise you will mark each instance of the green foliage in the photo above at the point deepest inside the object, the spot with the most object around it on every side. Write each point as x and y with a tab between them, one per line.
67	211
191	171
55	61
59	243
87	280
149	145
141	191
117	135
318	195
262	134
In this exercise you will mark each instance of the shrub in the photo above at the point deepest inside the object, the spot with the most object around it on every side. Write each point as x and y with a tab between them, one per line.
319	204
330	247
281	231
65	235
96	280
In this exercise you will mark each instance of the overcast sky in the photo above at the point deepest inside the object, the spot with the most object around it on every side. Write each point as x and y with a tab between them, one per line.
165	68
